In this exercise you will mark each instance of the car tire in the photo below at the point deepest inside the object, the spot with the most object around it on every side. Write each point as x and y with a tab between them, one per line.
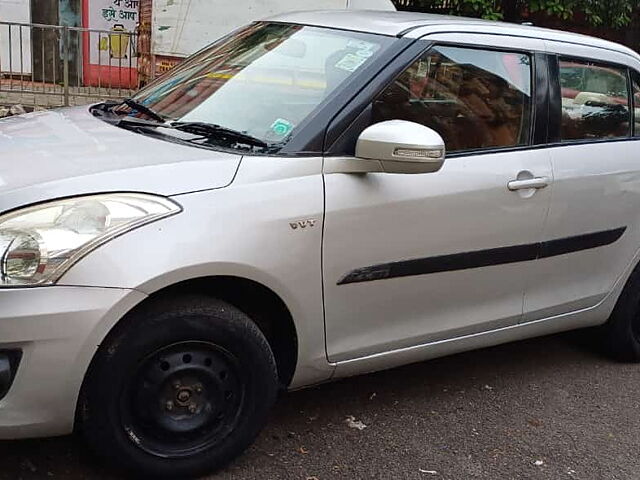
621	333
178	389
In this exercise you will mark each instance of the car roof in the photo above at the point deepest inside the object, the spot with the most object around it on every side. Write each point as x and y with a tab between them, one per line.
402	24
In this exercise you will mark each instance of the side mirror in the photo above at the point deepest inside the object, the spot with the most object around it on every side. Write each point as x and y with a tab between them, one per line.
393	146
402	147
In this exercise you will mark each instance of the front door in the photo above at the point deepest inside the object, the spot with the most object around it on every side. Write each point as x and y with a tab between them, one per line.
413	258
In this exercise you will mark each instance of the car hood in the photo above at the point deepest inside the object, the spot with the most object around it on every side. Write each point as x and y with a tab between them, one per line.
60	153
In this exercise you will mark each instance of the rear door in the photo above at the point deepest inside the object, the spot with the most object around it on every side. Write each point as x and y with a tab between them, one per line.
591	233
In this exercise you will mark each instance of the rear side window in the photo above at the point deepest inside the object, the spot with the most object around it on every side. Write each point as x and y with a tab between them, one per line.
473	98
595	101
635	82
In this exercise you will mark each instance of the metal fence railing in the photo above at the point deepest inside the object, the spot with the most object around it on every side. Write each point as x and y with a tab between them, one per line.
50	65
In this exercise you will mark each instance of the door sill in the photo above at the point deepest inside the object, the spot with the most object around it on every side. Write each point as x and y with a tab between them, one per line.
586	317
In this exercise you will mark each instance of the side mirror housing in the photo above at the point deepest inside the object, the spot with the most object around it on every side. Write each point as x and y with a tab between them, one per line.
402	147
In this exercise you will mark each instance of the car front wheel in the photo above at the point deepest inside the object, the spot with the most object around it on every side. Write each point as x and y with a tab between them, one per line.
179	389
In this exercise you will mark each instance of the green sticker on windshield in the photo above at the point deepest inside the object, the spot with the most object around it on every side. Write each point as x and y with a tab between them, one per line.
281	127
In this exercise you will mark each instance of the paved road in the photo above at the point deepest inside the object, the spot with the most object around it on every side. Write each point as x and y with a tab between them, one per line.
547	408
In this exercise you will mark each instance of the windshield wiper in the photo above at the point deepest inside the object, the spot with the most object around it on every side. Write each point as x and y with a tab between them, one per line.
136	105
141	122
206	130
211	130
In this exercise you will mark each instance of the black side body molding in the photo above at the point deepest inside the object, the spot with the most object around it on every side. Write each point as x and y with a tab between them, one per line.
483	258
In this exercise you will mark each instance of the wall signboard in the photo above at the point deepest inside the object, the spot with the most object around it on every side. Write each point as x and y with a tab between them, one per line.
110	50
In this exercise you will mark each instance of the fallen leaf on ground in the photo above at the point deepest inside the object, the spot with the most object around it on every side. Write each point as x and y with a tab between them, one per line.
534	422
351	422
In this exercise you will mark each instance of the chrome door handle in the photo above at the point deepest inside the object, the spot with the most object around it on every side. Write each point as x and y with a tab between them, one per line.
537	182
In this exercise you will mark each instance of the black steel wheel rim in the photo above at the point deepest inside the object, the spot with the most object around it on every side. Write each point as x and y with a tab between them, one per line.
183	399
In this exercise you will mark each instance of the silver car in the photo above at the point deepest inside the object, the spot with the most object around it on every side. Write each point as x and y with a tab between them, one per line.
278	212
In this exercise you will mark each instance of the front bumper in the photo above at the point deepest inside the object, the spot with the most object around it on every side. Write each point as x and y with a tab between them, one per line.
58	330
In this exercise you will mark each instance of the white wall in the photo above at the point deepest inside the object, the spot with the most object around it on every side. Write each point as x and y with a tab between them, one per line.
182	27
15	11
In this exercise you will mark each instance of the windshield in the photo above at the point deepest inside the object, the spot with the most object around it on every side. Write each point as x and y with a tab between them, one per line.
263	80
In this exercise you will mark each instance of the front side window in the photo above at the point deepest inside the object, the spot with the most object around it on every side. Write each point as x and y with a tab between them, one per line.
473	98
635	82
595	101
262	81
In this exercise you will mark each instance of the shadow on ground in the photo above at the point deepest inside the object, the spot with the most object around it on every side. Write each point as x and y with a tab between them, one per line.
543	408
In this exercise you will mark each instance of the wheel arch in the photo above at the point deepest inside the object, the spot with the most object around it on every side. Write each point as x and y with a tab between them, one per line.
265	307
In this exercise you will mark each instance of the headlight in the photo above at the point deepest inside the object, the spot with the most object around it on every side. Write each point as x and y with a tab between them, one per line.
38	244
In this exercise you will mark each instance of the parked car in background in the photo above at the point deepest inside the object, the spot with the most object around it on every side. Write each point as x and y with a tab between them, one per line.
278	211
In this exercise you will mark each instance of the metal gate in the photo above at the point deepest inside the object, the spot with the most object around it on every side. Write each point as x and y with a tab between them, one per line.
50	66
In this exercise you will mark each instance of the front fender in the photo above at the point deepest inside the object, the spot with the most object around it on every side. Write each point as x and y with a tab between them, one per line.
242	231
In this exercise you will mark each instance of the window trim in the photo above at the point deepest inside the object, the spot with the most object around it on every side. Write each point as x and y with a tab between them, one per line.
574	143
540	106
554	108
632	72
630	103
555	101
538	99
